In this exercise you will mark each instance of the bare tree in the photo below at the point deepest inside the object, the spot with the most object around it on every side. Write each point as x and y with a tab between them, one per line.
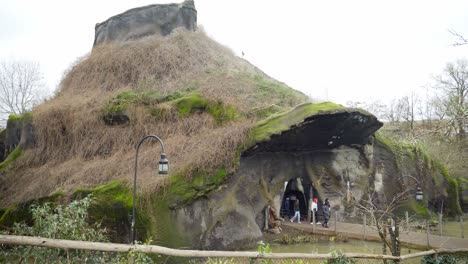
381	211
452	95
391	112
20	86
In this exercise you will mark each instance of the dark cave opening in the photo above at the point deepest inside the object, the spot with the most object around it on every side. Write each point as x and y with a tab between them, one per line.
301	189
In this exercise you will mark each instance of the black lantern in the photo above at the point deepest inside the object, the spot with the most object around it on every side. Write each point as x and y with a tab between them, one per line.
419	195
163	164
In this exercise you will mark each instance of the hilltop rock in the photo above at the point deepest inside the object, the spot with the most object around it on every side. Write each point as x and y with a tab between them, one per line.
145	21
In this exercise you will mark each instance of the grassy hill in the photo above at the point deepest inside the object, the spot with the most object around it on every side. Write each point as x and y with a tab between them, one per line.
195	94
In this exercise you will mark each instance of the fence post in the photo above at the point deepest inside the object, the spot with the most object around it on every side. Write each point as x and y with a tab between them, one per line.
365	222
440	223
336	216
427	233
407	220
314	222
462	227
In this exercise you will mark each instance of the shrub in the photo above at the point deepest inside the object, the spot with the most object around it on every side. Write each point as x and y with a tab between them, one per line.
64	222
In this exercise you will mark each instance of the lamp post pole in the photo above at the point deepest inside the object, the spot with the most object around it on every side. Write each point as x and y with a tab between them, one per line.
163	169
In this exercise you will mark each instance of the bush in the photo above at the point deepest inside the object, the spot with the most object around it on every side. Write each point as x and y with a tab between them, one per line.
339	259
64	222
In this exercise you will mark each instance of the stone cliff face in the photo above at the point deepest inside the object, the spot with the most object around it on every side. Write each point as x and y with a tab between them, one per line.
145	21
319	155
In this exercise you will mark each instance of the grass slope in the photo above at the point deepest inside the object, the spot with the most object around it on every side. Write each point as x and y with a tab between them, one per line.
186	88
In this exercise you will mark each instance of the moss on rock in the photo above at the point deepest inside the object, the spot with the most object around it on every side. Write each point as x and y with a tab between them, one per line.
406	152
283	121
112	208
11	158
454	207
194	103
182	192
22	213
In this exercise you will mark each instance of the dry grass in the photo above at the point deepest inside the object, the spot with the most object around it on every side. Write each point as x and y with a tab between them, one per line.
75	148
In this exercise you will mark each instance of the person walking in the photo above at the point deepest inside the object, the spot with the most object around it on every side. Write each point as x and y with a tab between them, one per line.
297	213
314	209
326	213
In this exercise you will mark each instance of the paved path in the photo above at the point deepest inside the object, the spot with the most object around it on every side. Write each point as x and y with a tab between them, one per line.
356	231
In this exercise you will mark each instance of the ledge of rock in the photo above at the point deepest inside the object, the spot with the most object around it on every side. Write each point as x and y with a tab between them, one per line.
314	126
145	21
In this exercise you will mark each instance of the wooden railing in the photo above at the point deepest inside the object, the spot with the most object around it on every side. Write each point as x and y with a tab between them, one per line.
152	249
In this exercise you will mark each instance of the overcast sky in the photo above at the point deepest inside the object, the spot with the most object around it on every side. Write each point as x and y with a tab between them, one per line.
335	50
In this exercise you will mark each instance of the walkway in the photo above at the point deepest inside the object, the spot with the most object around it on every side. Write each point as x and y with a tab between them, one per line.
356	231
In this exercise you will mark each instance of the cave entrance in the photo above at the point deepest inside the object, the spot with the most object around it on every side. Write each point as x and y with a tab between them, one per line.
297	189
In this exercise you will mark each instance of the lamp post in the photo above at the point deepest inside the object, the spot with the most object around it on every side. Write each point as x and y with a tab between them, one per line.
163	168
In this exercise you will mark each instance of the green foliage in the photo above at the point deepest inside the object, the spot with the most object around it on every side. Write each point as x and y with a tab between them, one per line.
443	259
262	249
339	258
60	223
65	222
280	122
11	158
194	103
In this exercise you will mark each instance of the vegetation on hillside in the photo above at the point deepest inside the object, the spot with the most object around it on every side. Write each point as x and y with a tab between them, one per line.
186	88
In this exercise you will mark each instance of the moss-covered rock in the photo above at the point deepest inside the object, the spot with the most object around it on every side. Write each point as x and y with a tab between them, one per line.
3	154
182	192
22	213
112	207
118	110
19	131
285	120
413	163
463	190
454	207
11	158
195	103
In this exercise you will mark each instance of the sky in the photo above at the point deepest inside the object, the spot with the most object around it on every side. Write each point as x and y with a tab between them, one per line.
330	50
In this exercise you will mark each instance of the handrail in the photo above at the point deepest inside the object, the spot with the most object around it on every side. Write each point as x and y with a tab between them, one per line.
115	247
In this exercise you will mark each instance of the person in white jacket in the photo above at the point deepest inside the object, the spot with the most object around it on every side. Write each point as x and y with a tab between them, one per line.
314	210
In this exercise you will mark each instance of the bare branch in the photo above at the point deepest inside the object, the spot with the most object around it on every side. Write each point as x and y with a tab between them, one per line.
460	39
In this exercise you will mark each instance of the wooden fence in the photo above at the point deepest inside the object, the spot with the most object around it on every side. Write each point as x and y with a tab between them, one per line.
151	249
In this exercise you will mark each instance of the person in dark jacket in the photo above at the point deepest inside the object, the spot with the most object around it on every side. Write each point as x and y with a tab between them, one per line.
326	212
297	213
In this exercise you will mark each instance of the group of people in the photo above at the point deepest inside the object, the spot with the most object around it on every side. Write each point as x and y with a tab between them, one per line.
314	209
325	210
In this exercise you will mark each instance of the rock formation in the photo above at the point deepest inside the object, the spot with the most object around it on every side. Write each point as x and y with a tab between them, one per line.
145	21
321	153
